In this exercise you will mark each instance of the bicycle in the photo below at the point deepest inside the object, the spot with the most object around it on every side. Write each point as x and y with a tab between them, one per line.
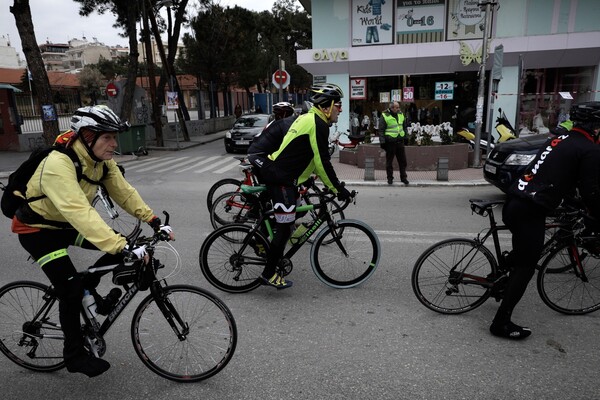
458	275
229	185
180	332
233	257
235	207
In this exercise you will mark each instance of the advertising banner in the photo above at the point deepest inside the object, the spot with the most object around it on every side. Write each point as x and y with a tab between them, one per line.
420	16
465	20
358	89
372	22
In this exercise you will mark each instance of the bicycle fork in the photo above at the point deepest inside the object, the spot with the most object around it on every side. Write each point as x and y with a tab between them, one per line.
181	328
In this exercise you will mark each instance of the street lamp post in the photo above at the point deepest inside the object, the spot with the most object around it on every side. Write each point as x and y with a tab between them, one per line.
481	92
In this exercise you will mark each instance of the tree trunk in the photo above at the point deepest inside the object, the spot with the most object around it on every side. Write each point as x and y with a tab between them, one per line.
132	65
22	14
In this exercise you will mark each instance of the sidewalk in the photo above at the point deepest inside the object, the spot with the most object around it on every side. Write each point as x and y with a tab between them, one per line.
348	173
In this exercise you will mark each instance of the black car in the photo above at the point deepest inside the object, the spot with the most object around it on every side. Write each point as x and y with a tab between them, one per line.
508	160
244	130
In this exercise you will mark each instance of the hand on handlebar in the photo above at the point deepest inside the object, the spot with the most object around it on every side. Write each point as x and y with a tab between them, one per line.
166	233
136	252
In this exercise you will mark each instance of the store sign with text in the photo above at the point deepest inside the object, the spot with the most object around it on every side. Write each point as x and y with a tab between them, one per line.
465	20
420	16
408	94
372	22
358	89
444	90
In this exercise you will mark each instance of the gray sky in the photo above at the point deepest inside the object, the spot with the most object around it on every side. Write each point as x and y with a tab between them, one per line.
58	21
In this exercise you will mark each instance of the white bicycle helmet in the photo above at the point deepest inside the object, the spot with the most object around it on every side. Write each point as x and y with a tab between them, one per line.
99	119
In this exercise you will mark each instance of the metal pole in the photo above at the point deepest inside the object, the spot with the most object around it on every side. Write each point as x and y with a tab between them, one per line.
279	70
481	91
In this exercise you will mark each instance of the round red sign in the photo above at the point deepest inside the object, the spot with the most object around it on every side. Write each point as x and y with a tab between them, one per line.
111	90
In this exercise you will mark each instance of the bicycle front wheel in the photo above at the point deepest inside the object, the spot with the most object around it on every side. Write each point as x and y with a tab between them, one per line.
569	281
227	264
351	256
184	333
30	333
115	217
223	186
451	277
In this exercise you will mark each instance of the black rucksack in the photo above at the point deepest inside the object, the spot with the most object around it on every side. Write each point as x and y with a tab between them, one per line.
17	181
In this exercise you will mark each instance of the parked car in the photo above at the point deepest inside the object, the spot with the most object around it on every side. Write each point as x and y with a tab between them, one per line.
244	129
508	160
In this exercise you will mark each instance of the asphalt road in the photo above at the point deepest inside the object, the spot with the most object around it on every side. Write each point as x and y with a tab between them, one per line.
313	342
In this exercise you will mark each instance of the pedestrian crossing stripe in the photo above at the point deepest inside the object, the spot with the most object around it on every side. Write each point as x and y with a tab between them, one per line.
198	165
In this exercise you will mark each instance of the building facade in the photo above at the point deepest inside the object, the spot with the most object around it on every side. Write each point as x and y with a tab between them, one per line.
543	55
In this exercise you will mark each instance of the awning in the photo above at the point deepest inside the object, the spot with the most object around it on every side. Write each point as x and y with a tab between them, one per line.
11	87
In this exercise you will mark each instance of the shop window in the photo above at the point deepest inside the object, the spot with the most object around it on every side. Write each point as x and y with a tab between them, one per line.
541	105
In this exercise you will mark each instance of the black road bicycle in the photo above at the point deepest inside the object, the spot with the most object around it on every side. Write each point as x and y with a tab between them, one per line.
180	332
344	254
458	275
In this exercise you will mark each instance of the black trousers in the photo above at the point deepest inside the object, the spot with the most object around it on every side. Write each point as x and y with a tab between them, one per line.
527	223
395	149
63	275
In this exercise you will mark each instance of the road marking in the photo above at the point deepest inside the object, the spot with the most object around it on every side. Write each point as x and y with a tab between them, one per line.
199	171
209	159
160	165
227	168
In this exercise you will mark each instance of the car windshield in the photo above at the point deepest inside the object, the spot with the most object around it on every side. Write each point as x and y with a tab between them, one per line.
251	121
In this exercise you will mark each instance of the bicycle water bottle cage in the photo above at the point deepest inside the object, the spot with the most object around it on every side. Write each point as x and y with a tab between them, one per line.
250	189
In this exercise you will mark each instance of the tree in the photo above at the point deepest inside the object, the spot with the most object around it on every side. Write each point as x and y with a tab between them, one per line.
90	81
24	23
127	14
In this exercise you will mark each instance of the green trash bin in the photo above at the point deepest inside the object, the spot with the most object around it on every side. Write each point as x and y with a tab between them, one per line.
133	140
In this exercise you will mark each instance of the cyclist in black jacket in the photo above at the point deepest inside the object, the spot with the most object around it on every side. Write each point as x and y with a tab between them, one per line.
271	137
566	163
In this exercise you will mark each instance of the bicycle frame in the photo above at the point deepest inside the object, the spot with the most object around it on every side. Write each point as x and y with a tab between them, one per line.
322	217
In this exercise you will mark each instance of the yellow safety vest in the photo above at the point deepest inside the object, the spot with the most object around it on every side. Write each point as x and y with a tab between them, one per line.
394	128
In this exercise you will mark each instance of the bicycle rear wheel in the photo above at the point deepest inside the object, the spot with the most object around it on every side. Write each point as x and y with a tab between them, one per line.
206	333
223	186
30	333
115	217
351	257
450	277
566	288
230	208
227	266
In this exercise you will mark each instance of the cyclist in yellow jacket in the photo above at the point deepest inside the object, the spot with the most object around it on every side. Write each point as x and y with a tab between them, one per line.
64	217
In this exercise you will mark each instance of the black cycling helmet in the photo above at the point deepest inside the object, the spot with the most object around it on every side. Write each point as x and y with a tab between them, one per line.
586	115
283	109
98	119
325	94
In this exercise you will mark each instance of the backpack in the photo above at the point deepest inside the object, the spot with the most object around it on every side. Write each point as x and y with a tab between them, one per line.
11	204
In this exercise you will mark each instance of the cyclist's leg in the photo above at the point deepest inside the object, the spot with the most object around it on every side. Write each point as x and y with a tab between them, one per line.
49	248
526	221
284	205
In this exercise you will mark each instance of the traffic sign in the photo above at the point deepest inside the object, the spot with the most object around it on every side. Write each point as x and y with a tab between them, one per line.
281	79
111	90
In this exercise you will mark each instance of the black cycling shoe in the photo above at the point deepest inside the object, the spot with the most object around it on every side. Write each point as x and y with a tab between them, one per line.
88	365
509	330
